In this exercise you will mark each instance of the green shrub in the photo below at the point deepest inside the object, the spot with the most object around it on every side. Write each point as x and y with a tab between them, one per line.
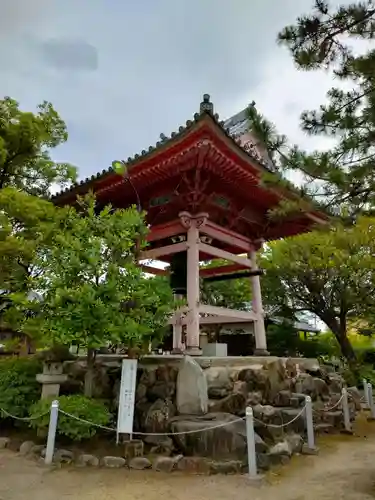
85	408
18	386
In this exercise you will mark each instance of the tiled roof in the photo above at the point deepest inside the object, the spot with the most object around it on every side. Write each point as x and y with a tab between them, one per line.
234	127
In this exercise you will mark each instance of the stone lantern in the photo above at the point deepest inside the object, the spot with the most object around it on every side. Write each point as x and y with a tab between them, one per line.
53	371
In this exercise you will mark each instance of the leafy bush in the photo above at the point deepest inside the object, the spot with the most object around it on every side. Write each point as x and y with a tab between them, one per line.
18	386
85	408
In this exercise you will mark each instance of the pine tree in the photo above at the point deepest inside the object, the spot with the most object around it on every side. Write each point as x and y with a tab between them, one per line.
343	178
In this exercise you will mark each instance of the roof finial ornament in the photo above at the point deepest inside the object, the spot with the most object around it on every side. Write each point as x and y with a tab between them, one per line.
206	105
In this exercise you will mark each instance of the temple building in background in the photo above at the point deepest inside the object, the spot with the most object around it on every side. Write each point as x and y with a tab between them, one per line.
205	200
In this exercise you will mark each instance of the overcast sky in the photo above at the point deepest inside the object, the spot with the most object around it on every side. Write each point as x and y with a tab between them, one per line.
120	72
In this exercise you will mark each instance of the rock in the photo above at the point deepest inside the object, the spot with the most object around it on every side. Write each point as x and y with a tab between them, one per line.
336	383
228	467
291	368
254	398
140	392
283	398
334	418
140	463
113	462
235	403
161	390
26	447
263	462
305	384
241	387
226	442
63	456
295	442
133	448
277	379
37	449
192	392
196	465
85	460
166	373
148	377
289	414
154	418
4	442
164	464
320	389
256	378
219	383
355	396
282	448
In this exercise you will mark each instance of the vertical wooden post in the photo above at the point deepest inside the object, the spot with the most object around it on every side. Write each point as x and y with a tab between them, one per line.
259	329
177	330
192	328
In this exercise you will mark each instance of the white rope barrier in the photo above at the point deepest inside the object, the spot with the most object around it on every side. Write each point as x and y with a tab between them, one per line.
274	426
23	419
194	431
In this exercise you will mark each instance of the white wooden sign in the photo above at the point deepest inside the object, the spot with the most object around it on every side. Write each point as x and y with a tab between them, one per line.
127	397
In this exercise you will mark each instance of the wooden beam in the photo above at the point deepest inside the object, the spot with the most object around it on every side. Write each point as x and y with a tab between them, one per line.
162	231
222	254
218	270
227	313
154	270
226	236
155	253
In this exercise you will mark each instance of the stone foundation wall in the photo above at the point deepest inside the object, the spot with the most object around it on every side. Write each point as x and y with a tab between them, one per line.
181	394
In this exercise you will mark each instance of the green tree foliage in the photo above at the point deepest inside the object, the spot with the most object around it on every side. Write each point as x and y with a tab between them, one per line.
330	274
25	141
18	386
94	292
341	178
26	223
87	409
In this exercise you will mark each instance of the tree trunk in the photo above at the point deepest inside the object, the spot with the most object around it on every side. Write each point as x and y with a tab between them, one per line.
339	330
89	377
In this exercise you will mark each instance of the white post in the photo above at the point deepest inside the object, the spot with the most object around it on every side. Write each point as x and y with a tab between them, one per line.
309	424
250	435
371	401
54	415
259	329
192	327
365	391
345	410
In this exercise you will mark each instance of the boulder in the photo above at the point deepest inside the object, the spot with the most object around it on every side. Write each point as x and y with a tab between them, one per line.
195	465
156	416
133	448
305	384
140	463
148	376
161	390
113	462
227	467
164	464
281	448
240	386
26	447
219	383
321	389
227	442
192	392
4	442
234	403
255	377
277	379
63	457
254	398
85	460
355	396
295	442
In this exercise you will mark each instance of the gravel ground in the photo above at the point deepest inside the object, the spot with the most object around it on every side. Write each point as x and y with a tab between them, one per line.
344	469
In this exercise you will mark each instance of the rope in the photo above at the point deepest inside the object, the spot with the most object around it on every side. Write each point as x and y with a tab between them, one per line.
218	426
274	426
324	410
23	419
